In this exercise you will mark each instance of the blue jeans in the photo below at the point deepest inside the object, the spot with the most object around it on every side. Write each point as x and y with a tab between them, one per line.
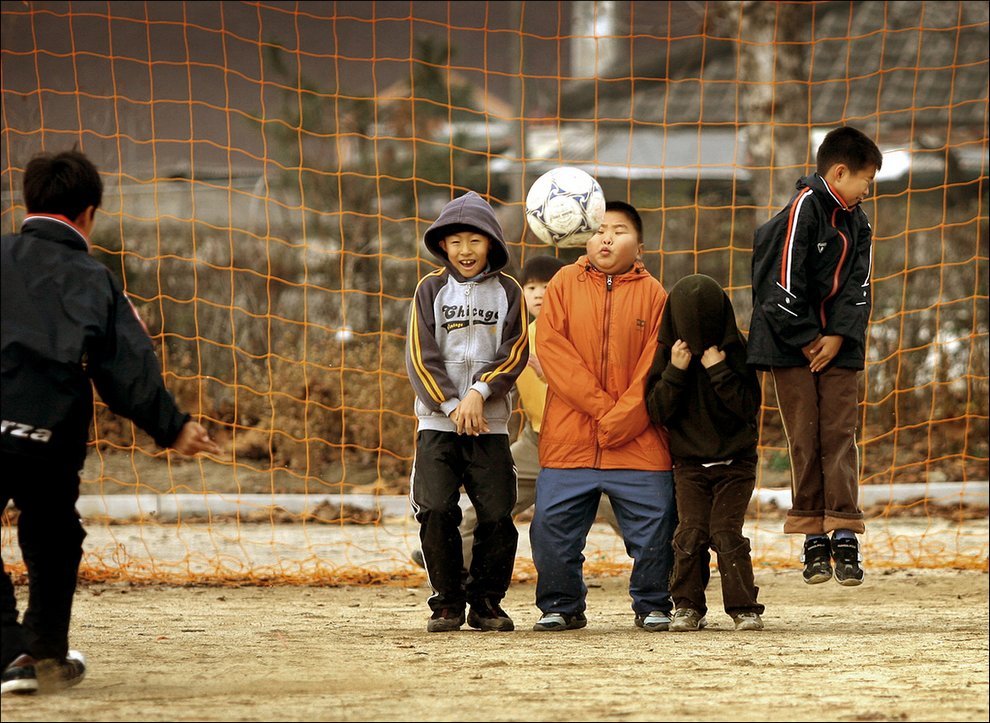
566	505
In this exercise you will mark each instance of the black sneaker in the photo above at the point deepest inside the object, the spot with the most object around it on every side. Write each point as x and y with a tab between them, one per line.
60	674
552	622
20	677
817	559
848	571
485	616
445	620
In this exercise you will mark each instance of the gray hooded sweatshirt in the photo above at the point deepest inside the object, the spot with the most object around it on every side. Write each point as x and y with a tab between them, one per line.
466	333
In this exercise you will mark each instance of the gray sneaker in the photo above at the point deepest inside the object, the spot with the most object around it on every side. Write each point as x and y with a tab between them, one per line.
655	621
553	622
748	621
687	620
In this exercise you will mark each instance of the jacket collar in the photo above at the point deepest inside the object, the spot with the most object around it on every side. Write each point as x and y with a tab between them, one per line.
57	228
829	197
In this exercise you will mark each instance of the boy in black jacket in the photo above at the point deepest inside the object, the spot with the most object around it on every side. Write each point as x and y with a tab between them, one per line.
811	307
66	323
702	391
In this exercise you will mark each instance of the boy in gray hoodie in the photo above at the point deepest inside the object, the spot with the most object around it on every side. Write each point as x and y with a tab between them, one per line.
467	343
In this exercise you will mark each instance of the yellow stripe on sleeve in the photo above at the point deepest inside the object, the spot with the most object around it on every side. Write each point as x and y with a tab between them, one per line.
416	354
515	354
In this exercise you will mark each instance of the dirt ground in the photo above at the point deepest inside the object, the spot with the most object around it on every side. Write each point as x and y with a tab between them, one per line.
907	645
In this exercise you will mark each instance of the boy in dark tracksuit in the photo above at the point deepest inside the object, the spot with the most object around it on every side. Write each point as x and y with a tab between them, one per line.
701	389
467	344
811	307
67	325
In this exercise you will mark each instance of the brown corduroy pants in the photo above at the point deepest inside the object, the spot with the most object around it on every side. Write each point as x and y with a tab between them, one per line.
819	412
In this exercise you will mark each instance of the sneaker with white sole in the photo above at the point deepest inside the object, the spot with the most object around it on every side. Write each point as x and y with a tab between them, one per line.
748	621
552	622
845	552
655	621
20	677
817	559
687	620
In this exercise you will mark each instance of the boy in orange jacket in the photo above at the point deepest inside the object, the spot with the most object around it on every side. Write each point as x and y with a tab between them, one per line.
596	338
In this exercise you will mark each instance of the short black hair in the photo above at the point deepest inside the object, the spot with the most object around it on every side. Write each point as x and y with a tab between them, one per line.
849	146
630	211
540	269
65	183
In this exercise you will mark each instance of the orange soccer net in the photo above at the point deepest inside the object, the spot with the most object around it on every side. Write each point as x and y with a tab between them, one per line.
271	169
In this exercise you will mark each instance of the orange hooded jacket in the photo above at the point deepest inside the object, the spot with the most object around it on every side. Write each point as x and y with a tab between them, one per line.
596	338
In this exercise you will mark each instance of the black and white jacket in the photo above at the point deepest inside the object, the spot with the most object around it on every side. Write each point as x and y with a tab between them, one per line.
811	276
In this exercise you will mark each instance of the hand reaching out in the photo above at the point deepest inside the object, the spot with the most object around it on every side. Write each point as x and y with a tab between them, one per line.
193	439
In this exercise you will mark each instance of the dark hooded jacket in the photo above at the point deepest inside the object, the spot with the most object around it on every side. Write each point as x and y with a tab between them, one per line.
466	333
710	414
66	322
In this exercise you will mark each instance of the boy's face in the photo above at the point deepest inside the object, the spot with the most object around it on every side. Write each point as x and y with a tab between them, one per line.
853	187
467	251
614	248
533	293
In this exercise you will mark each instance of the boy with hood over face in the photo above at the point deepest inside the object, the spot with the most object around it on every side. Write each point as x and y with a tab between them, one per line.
466	345
702	391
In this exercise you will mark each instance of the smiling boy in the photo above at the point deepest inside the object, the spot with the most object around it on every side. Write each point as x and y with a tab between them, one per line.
467	343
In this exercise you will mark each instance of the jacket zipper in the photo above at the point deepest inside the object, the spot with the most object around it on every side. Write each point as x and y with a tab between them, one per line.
605	339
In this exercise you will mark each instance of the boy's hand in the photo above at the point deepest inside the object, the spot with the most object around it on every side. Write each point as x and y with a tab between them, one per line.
712	356
806	349
193	438
537	367
823	351
470	414
680	354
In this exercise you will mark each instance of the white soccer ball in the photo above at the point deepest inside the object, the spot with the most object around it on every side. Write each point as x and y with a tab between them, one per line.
565	206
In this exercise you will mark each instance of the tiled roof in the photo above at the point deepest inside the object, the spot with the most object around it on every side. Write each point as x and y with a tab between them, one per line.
902	64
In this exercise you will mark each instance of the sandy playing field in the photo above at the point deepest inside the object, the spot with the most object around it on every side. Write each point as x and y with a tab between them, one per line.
907	645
